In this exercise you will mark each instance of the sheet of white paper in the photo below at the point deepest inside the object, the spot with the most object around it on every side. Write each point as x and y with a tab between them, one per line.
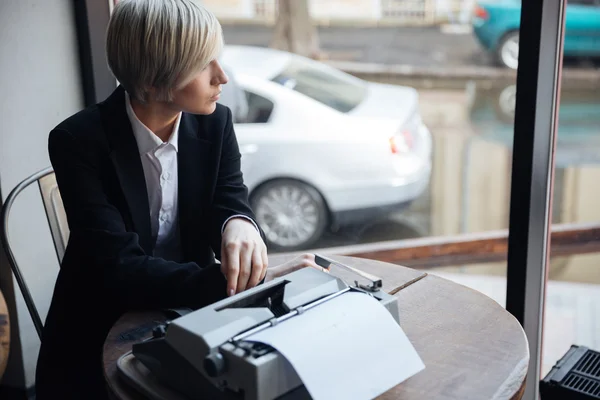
349	347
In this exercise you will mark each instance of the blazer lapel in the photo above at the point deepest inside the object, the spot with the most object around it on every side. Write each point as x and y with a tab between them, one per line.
128	165
193	165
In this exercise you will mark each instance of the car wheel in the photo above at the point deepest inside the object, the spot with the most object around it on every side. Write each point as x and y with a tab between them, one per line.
508	50
292	214
505	104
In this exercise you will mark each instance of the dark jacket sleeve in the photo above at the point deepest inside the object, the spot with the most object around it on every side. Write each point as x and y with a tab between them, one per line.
231	194
102	249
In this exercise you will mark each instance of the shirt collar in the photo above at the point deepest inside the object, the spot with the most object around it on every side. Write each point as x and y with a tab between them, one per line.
146	140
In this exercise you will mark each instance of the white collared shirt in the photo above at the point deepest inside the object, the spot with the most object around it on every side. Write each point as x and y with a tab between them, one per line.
159	161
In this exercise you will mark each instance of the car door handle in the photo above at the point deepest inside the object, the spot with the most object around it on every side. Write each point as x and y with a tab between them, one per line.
248	149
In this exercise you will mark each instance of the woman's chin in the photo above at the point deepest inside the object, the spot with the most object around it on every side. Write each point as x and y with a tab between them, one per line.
205	110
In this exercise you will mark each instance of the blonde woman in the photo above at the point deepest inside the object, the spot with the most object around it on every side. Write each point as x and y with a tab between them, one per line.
151	183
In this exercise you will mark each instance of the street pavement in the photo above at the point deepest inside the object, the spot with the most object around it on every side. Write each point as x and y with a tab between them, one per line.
416	46
432	46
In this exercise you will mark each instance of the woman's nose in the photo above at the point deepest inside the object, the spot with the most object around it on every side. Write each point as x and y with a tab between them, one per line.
220	77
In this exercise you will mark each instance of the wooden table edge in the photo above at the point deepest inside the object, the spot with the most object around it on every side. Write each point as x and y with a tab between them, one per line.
518	394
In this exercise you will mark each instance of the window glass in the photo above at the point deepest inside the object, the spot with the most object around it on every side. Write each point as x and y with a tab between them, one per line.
259	108
414	141
323	84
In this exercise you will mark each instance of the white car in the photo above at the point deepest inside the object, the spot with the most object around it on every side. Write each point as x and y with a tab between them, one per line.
321	148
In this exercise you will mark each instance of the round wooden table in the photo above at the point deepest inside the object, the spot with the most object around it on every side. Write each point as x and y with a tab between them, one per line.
472	348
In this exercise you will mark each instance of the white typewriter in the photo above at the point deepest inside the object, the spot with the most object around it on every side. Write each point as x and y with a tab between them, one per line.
204	355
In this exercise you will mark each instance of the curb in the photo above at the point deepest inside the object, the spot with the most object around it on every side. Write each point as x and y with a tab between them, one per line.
459	76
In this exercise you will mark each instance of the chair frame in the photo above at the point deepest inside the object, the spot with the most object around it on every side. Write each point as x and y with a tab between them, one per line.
4	237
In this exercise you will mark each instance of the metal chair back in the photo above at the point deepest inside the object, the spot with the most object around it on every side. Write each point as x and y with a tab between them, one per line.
57	220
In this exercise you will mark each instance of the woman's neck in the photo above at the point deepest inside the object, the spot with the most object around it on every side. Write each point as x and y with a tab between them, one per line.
157	117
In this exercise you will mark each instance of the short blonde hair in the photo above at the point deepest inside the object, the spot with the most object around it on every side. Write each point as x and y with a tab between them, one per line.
160	44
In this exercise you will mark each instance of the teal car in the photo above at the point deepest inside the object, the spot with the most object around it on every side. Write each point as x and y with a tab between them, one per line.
496	27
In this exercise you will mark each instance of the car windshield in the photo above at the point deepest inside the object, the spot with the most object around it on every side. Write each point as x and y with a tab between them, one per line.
323	84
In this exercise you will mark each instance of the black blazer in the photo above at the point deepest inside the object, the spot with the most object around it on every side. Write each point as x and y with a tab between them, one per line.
108	267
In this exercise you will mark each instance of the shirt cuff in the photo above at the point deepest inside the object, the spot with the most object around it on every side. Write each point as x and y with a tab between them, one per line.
239	216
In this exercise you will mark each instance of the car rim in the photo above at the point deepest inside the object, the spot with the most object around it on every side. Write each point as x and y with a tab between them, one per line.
510	52
288	215
507	100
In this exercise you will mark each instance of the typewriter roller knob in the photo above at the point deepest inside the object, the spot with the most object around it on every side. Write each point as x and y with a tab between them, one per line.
159	332
214	364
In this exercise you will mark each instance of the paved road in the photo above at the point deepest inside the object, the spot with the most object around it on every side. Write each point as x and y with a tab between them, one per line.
416	46
425	46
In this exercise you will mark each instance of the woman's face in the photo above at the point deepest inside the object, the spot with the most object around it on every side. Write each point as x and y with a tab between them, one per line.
201	94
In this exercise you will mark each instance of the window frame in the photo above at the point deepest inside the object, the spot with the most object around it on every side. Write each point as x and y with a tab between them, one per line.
91	21
535	134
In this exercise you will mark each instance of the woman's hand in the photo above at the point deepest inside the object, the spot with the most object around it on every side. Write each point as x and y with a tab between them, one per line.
303	261
243	256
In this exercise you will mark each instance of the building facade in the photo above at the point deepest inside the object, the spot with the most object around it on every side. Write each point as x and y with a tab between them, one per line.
369	12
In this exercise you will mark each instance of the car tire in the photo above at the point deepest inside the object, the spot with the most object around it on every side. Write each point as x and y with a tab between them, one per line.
507	53
282	207
504	104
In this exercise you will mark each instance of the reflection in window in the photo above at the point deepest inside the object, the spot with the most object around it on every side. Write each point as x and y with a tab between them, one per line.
323	84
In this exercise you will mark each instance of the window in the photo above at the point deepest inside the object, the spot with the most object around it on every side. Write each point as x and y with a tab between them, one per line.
323	84
259	108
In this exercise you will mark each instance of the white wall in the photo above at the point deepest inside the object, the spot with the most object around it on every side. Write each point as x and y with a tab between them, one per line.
39	87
